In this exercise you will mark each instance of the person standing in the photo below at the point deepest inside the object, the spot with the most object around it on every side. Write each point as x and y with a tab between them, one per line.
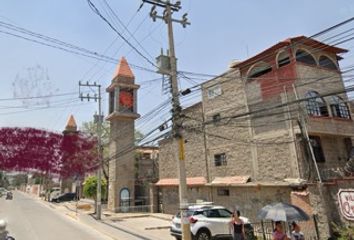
237	226
296	233
278	233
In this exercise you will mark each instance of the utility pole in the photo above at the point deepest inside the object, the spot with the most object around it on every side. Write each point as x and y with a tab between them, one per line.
98	119
305	134
168	66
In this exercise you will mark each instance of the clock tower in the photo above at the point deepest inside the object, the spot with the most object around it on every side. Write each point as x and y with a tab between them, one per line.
122	114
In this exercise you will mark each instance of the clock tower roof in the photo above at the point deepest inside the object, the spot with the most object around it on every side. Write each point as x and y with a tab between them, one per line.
123	70
71	126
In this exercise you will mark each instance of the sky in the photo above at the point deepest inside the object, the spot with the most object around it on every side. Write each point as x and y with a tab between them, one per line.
220	32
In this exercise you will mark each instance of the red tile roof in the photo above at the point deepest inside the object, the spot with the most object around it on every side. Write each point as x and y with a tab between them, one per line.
192	181
227	181
123	69
299	39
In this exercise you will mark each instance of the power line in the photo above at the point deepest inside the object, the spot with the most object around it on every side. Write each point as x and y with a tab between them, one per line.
35	97
288	47
95	10
61	45
126	28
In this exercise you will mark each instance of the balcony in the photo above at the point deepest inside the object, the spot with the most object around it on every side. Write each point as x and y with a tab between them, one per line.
331	125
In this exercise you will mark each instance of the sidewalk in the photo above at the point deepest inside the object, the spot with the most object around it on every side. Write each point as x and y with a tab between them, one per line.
146	226
142	225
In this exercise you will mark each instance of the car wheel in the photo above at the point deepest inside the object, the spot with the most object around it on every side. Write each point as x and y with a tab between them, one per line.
203	235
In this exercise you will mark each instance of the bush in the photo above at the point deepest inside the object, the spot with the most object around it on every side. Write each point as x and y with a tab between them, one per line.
343	232
90	187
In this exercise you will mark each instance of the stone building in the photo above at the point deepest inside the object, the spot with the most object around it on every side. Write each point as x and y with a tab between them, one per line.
146	172
246	140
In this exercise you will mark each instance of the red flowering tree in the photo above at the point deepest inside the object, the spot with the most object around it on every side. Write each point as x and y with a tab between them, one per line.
24	149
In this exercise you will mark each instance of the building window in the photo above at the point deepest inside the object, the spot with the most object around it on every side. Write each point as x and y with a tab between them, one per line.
223	192
111	102
305	57
214	91
259	70
216	118
283	59
326	62
315	105
339	108
348	146
220	159
317	148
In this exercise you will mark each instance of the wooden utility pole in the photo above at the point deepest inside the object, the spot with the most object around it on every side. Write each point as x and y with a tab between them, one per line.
171	70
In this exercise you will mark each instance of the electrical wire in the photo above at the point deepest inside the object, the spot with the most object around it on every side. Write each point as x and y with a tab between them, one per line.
97	12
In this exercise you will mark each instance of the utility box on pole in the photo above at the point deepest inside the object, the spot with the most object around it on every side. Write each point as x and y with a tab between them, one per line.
163	64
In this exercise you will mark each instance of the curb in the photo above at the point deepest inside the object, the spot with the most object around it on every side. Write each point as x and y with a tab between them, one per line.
157	228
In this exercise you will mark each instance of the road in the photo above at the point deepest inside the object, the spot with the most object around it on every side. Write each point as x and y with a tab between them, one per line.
28	218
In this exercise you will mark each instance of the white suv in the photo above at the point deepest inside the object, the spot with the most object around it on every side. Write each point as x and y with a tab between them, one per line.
206	222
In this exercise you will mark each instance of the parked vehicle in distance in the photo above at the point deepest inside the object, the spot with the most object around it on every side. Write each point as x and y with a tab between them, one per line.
3	191
9	195
53	193
208	222
65	197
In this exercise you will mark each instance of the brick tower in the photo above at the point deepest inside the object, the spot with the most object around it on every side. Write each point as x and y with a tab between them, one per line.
122	114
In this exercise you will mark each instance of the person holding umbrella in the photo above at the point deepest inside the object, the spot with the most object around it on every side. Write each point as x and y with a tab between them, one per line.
278	233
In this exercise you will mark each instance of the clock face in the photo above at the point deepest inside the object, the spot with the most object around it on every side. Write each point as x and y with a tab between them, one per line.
126	100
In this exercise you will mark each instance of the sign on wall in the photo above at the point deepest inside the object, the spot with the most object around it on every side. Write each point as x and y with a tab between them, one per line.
346	203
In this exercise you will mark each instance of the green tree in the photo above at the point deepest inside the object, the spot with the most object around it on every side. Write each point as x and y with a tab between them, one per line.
91	129
138	136
90	187
20	179
343	232
3	180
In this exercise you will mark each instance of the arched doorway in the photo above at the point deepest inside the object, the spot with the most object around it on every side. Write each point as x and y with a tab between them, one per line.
124	199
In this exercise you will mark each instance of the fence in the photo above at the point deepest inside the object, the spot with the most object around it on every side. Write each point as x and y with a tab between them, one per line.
264	229
134	209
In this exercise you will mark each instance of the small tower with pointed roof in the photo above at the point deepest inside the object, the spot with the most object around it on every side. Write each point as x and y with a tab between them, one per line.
71	127
122	114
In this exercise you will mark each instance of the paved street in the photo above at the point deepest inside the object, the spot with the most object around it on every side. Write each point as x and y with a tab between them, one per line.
28	218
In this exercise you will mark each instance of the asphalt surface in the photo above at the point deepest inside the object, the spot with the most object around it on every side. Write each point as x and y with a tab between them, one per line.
29	219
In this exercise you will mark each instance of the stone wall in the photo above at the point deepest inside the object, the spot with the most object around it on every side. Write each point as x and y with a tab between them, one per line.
121	167
324	200
248	199
227	135
194	148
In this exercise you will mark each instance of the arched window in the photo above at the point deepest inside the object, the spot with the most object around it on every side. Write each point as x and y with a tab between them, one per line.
283	59
315	105
339	108
259	70
326	62
305	57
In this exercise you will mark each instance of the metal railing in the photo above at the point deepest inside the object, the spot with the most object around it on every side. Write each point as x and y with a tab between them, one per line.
264	229
134	209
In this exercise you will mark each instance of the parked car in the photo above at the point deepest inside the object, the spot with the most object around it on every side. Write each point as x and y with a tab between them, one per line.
54	193
65	197
9	196
208	222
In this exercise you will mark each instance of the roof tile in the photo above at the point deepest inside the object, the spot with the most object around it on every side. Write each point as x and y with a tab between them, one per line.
123	69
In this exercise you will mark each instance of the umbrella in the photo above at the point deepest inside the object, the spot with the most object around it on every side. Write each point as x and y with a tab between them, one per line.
282	212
